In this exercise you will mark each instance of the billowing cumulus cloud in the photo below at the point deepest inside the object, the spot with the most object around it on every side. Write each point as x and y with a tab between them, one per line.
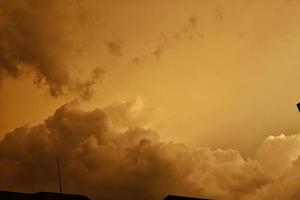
279	157
113	153
132	113
285	150
104	162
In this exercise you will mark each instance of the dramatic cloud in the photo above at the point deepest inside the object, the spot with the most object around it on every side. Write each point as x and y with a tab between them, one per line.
103	162
285	150
132	113
279	157
31	37
37	37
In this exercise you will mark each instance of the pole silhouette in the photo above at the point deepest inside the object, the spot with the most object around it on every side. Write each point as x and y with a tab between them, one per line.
59	175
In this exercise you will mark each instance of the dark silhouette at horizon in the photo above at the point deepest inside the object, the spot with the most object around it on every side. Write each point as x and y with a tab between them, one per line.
6	195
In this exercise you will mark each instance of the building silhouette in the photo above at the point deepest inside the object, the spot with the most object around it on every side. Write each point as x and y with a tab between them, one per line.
4	195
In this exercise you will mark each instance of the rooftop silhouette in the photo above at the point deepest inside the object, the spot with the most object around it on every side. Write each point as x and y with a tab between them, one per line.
4	195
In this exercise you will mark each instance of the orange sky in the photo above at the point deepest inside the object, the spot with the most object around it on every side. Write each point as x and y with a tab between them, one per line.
222	74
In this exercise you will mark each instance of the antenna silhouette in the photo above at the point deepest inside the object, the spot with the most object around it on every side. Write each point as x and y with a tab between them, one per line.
59	175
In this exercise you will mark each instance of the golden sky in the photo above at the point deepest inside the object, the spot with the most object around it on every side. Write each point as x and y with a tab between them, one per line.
209	73
224	73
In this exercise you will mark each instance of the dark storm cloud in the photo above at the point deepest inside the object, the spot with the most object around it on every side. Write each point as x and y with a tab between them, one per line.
105	163
32	38
37	37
